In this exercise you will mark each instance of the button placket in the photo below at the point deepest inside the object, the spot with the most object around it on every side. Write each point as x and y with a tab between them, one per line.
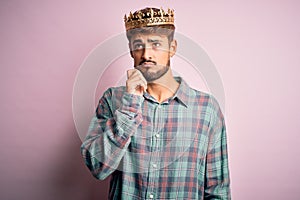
152	164
155	162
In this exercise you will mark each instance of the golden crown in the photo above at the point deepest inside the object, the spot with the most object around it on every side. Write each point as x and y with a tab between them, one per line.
149	17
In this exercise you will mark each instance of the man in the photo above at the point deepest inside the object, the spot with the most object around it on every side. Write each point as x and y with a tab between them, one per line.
157	137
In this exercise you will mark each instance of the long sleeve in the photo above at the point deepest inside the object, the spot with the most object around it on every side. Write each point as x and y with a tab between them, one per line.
110	132
217	183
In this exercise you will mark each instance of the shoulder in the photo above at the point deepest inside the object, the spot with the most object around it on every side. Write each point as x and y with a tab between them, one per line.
112	96
194	96
202	98
111	99
207	101
114	92
191	96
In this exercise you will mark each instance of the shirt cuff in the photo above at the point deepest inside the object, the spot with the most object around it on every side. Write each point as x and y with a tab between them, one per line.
129	115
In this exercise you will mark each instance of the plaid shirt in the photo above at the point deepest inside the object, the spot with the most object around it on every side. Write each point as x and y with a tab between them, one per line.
171	150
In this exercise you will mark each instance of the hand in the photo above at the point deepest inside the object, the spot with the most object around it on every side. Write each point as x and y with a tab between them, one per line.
136	83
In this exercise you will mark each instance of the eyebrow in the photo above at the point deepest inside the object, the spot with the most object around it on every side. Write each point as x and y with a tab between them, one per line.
149	40
137	41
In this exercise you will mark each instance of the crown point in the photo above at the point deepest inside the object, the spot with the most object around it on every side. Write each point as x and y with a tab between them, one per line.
161	13
139	15
149	17
152	13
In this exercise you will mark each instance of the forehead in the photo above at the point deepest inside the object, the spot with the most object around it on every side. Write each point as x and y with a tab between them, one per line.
149	37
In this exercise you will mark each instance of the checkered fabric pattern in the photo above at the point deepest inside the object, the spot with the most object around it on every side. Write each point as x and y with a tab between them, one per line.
176	149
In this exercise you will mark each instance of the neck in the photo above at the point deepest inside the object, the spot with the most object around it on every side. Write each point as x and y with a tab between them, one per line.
164	87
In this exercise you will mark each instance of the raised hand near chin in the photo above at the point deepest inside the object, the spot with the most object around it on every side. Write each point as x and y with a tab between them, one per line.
136	83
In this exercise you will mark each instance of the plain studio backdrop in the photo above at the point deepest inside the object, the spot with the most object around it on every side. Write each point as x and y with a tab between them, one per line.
254	46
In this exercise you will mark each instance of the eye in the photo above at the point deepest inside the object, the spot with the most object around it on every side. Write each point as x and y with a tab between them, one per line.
156	44
138	46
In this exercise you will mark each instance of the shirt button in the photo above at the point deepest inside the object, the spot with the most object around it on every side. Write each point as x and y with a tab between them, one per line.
154	165
157	135
151	196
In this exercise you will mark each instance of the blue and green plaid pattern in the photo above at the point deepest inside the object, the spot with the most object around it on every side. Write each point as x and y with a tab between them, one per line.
176	149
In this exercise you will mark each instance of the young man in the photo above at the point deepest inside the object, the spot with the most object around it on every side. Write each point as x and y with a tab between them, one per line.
157	137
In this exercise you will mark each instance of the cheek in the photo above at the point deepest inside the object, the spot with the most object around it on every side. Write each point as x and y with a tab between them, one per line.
136	55
136	59
164	57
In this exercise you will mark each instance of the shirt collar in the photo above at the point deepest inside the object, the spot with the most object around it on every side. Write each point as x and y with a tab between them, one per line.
182	93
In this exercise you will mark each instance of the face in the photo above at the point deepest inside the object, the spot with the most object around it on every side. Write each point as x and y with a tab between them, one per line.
151	54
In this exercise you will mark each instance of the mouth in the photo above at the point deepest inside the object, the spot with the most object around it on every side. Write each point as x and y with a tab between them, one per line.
147	64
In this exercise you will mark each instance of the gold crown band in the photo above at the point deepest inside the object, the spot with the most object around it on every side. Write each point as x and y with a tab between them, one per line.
150	18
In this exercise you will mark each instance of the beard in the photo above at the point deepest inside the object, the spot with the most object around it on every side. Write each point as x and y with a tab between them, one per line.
152	76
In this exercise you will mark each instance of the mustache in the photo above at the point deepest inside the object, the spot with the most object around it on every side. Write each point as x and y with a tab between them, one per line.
143	61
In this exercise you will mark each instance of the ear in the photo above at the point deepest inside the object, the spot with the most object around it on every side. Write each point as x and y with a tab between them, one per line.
173	48
129	46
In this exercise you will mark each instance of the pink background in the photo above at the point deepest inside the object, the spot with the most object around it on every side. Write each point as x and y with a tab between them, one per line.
254	45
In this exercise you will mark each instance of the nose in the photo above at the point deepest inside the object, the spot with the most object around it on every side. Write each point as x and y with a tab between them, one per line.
147	53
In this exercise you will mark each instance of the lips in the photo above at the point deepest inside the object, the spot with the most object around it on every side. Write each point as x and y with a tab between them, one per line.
147	62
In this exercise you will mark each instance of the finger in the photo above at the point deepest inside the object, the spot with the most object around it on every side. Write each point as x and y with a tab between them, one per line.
133	83
130	72
136	82
137	79
134	73
143	78
140	75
